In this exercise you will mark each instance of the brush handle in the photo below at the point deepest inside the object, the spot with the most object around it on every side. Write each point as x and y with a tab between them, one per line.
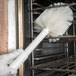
19	60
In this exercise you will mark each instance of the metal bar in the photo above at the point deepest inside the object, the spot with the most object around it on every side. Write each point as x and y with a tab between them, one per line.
67	36
45	57
41	9
49	48
71	4
74	41
64	74
70	64
60	61
12	30
70	67
54	69
20	24
64	66
31	13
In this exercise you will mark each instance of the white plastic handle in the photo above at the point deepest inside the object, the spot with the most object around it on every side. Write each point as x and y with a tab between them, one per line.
17	63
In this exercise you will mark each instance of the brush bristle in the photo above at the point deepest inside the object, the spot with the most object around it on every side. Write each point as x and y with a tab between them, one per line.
56	20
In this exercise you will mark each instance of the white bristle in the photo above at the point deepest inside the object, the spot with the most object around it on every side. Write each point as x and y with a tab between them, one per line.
56	20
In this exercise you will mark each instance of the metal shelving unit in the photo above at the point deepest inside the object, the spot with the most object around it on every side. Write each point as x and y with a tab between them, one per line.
53	59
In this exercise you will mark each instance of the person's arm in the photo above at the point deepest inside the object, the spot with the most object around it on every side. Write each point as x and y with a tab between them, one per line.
6	60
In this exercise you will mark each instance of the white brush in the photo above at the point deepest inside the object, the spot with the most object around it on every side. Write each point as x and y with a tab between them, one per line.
54	21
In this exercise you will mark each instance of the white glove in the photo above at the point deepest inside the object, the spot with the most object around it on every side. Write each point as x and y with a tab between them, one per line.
6	60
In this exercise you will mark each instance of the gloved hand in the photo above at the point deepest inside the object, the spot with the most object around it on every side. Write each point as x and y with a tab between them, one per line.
6	60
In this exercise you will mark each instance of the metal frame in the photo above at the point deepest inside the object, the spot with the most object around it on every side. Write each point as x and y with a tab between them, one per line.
67	64
58	65
20	30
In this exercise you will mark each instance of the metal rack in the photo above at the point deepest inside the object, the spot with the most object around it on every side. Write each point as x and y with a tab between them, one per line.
62	65
62	60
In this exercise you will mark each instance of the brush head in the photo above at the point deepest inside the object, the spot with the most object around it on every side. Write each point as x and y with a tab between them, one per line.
56	20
